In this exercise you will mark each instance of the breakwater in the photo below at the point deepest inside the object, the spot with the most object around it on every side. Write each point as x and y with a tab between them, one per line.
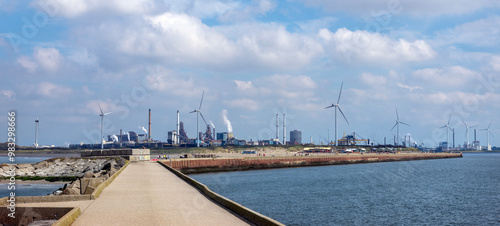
206	165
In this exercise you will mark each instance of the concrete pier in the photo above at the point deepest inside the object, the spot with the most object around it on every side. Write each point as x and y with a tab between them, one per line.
146	193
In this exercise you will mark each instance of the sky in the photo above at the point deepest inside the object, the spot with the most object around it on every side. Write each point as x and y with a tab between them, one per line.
433	61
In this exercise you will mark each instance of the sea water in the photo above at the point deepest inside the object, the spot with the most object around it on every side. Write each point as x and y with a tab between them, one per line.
464	191
27	189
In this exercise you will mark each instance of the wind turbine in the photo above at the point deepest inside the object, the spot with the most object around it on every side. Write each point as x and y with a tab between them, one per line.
102	119
467	132
397	124
198	113
447	126
488	136
338	106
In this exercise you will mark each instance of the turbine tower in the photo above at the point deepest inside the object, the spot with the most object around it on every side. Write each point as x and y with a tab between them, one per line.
488	136
198	113
337	106
397	125
447	126
467	132
36	132
102	119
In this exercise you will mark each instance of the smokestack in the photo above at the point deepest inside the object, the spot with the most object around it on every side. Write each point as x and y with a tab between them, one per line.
277	127
36	132
178	134
121	138
284	129
149	127
475	135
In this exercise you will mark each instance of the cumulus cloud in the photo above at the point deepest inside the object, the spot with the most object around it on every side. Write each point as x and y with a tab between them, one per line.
444	77
373	80
163	80
27	63
374	47
48	58
76	8
51	90
256	7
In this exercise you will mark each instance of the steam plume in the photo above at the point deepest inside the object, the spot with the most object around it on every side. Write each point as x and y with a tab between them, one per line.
226	121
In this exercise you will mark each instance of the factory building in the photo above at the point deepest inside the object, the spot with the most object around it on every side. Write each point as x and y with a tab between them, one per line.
295	137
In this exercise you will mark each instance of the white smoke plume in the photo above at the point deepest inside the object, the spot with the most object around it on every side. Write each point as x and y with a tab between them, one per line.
213	126
226	121
143	129
114	138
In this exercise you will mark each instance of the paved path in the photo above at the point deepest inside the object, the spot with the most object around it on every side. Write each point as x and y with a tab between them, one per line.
148	194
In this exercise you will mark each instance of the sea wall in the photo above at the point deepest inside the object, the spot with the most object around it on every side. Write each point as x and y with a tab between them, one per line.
188	166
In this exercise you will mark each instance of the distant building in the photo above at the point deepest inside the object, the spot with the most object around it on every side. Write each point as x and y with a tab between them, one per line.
172	137
295	137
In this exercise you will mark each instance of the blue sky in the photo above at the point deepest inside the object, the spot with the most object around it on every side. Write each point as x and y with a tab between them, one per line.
255	59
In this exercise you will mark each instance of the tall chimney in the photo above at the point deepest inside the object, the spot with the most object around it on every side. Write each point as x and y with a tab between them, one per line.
178	134
149	127
475	135
277	127
36	132
120	138
284	129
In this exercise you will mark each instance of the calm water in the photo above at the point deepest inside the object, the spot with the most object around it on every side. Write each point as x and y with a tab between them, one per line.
5	159
464	191
27	189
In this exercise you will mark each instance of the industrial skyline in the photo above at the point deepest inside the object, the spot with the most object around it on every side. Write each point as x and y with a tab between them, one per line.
253	59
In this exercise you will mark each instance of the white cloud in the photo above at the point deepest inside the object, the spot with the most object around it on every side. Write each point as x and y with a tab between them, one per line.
243	85
410	88
495	63
76	8
48	58
482	33
444	77
373	80
8	94
161	79
27	63
417	8
52	90
374	47
442	98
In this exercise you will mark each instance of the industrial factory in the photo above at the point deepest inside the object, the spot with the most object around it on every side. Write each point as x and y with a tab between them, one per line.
179	137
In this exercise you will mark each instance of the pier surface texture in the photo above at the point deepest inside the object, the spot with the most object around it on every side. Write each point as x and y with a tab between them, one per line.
146	193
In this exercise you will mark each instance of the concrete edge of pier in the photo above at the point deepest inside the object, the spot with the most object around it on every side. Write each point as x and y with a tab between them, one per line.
240	210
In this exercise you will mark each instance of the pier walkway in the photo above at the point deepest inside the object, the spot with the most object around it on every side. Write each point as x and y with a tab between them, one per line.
146	193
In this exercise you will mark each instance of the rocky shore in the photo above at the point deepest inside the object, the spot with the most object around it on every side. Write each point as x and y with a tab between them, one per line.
90	172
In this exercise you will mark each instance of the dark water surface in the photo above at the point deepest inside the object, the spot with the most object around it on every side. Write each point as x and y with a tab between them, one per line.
463	191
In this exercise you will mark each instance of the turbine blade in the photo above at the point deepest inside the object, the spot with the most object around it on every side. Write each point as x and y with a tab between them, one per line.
464	123
489	124
330	106
343	115
404	123
491	133
397	115
108	113
340	93
203	118
100	107
449	118
394	125
201	102
193	111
